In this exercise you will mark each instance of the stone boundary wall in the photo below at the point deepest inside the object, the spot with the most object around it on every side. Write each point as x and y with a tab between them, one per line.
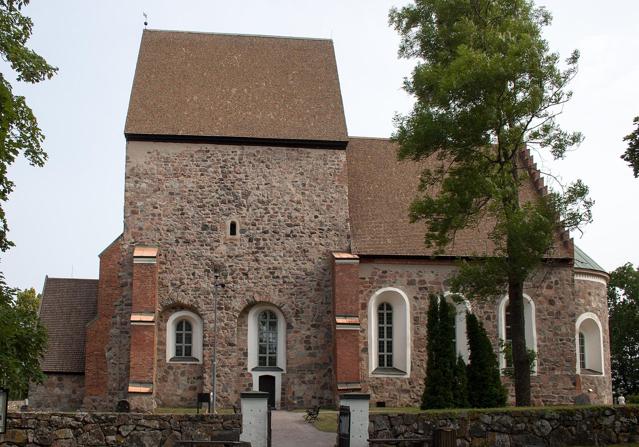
539	427
107	429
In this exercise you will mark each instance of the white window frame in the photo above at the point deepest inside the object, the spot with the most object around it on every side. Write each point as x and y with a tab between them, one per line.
252	348
530	327
594	348
461	336
196	326
401	331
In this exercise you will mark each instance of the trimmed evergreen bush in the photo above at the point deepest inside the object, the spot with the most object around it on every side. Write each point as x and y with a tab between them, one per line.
485	389
442	376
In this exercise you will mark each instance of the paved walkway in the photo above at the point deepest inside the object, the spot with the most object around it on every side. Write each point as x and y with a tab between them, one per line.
288	429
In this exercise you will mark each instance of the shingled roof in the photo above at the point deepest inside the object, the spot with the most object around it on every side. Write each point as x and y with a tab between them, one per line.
380	191
240	86
67	306
583	261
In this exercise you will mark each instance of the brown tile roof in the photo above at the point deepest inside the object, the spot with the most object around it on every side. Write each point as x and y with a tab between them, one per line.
205	84
380	191
67	306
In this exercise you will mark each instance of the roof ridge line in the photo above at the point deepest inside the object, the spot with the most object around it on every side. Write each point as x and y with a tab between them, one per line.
266	36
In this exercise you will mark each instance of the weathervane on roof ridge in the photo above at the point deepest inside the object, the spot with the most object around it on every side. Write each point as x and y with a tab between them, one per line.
146	19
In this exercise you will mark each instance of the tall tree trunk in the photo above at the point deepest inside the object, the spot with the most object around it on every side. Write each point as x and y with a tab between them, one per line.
521	362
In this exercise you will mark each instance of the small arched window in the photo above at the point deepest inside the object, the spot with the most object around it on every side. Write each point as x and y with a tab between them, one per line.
589	345
385	335
233	228
505	330
267	338
183	339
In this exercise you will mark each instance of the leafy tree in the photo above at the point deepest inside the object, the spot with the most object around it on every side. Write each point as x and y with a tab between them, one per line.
623	306
19	131
23	339
485	389
440	378
486	87
632	152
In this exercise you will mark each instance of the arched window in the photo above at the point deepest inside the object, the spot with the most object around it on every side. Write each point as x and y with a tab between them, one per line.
267	338
385	335
184	338
461	306
389	333
266	346
589	344
505	328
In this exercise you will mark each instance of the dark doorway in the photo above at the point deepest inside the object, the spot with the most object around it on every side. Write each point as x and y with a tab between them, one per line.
267	385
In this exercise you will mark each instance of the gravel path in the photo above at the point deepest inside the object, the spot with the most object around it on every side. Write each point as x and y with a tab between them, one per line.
288	429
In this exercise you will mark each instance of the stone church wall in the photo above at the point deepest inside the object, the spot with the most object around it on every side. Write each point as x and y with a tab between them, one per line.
61	392
292	211
556	310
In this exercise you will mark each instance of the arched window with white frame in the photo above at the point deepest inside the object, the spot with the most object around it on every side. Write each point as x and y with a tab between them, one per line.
266	339
461	306
389	342
504	329
589	345
184	338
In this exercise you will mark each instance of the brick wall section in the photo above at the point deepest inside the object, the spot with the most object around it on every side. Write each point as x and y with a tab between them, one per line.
291	205
109	291
142	353
346	304
145	284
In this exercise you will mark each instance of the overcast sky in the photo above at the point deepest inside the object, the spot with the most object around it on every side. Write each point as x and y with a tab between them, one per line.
61	216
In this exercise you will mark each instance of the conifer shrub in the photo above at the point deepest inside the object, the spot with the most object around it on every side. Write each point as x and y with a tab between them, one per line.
442	375
485	389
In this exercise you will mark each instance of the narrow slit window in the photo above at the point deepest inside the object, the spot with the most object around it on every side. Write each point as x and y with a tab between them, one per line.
233	228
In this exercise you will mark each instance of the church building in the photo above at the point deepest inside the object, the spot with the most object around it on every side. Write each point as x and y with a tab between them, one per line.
240	173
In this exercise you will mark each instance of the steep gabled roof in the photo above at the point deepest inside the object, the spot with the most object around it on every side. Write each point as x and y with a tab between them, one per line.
67	306
380	191
239	86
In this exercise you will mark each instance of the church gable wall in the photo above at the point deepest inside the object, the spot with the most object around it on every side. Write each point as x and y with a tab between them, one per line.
551	289
291	208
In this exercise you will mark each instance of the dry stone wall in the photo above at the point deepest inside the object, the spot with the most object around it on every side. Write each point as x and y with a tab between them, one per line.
113	429
292	210
530	428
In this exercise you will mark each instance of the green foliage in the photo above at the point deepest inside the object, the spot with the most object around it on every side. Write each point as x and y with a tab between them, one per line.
623	308
23	339
440	378
507	350
632	152
460	384
485	389
633	399
19	131
487	87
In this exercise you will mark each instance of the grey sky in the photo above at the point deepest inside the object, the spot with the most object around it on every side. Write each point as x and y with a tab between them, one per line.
61	216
